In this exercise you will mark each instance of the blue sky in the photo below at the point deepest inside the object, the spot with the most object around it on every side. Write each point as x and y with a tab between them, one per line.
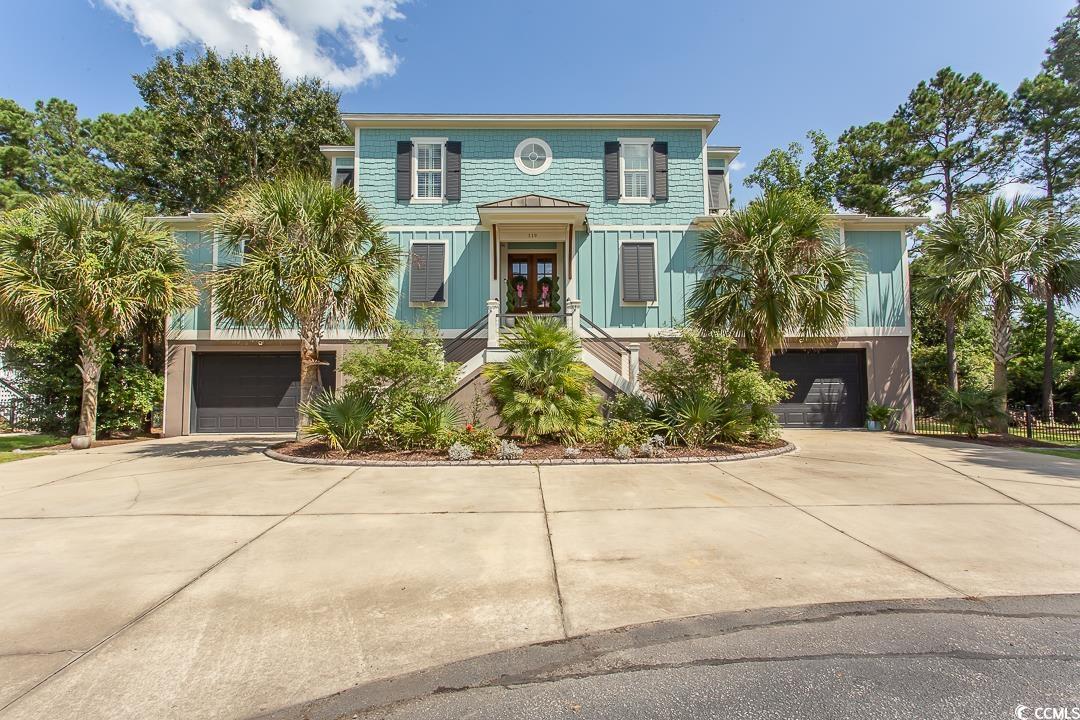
771	69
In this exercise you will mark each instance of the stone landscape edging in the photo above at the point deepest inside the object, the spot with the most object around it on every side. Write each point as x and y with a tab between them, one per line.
272	453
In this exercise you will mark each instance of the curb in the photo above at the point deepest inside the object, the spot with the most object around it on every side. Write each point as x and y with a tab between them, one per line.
787	447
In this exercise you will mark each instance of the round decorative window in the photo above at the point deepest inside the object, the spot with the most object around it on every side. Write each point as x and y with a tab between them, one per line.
533	156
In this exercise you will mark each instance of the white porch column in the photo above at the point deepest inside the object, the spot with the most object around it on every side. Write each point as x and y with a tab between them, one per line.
634	365
573	316
493	323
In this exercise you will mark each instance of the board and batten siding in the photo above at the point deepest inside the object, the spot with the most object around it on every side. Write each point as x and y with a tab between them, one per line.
467	285
599	280
881	301
488	173
198	250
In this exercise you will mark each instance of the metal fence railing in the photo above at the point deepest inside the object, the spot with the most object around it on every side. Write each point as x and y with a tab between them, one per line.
1025	423
16	414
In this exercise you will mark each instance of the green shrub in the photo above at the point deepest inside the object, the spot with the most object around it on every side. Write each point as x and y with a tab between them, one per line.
543	389
427	423
409	367
635	408
698	419
707	390
968	410
342	420
481	440
879	413
612	434
47	370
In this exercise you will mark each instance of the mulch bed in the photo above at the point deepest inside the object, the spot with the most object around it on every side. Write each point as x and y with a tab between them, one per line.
546	452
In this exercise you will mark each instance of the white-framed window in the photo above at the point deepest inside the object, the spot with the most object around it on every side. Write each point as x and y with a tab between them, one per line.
429	169
532	156
635	169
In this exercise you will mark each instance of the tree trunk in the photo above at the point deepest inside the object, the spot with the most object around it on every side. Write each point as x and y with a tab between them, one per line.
763	357
1048	363
950	353
90	369
1000	342
310	380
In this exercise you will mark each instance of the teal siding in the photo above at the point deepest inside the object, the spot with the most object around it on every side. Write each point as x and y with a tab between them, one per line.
882	299
198	249
488	173
599	280
468	284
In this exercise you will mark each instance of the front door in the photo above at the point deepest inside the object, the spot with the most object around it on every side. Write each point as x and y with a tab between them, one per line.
533	285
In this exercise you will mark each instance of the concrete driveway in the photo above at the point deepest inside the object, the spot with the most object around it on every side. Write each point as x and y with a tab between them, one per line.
197	578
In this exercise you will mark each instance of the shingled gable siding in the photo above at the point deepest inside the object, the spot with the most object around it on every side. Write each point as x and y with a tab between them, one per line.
488	173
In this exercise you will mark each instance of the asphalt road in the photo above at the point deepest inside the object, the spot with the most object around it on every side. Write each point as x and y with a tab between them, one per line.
931	659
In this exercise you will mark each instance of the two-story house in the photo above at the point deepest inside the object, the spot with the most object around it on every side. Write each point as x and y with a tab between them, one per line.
590	218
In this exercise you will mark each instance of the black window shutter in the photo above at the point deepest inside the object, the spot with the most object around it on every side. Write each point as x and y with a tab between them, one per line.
426	264
638	268
404	170
659	165
716	185
453	170
611	171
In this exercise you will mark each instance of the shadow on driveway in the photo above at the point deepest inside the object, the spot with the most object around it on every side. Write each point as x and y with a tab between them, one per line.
1000	458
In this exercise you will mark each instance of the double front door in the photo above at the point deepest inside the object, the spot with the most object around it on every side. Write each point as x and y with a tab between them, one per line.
533	285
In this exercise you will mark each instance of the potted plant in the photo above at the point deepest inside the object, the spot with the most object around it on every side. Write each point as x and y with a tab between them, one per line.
877	416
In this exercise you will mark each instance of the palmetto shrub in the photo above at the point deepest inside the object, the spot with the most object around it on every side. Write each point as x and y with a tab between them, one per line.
543	389
427	423
699	418
342	420
968	410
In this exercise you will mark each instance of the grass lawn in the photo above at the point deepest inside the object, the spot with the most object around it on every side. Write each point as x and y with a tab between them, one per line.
1073	453
26	442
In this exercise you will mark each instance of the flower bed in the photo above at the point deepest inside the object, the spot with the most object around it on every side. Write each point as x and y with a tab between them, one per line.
547	453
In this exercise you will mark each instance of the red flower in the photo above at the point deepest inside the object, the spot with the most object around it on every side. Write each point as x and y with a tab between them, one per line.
468	427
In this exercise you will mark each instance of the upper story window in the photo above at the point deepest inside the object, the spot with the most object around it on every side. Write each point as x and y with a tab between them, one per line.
343	172
429	171
532	156
636	169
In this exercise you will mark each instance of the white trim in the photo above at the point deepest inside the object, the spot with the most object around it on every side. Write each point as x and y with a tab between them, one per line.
877	332
647	199
356	162
446	273
435	228
547	158
705	169
414	199
646	228
622	275
420	120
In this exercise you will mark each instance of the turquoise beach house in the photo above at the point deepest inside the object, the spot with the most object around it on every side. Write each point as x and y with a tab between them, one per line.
590	218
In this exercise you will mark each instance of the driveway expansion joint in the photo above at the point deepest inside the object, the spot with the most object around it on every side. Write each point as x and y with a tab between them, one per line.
162	602
551	554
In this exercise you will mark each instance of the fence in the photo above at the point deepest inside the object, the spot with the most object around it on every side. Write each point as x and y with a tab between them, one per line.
1025	423
16	414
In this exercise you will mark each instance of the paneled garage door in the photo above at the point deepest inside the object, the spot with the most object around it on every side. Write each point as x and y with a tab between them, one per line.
249	392
830	388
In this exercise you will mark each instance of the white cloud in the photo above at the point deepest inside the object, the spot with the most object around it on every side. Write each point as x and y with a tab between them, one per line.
1013	190
340	41
737	165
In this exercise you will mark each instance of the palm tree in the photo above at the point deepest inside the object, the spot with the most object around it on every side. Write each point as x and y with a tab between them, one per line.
776	267
98	268
935	289
1059	282
312	258
994	248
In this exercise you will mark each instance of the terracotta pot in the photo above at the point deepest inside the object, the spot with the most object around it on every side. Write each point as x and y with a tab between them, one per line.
80	442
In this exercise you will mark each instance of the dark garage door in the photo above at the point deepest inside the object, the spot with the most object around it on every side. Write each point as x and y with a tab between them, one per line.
249	392
829	388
